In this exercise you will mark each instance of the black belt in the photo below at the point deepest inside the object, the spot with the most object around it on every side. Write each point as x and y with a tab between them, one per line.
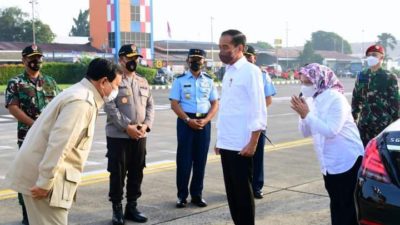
196	115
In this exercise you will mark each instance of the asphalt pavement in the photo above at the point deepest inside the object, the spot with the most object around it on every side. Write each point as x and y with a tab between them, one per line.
294	189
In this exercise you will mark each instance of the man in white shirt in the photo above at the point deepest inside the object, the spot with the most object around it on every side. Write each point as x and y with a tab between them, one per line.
242	116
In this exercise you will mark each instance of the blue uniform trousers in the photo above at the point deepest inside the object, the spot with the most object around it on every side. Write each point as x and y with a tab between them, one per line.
258	165
192	152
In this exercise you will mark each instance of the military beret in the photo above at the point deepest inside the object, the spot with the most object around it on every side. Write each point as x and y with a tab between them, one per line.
31	50
193	52
250	50
375	48
129	51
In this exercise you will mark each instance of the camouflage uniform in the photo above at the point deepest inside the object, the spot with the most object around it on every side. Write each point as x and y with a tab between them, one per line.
30	97
375	102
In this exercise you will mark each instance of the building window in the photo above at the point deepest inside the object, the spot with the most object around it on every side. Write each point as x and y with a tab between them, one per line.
135	13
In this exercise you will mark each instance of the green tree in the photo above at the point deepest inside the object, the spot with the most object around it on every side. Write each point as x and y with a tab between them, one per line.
43	33
387	40
330	41
263	45
11	24
81	27
308	55
16	26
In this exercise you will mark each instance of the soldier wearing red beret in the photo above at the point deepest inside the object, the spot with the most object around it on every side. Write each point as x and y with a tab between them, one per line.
375	102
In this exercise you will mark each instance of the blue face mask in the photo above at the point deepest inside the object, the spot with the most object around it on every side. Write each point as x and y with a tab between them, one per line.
372	61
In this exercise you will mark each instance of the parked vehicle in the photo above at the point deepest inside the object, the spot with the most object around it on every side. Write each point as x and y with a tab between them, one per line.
274	70
377	194
163	76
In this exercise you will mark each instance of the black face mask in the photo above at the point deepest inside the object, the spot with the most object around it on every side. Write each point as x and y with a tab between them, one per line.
35	65
131	65
196	66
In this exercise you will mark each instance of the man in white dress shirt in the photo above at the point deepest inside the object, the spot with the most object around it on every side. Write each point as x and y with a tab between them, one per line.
242	116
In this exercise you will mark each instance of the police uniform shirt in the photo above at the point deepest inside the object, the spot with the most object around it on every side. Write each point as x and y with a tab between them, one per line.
194	95
133	105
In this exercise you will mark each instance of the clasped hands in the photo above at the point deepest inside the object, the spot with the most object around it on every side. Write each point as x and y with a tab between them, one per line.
136	131
197	124
300	106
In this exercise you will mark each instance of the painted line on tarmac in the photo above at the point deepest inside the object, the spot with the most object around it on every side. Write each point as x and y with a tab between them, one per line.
102	176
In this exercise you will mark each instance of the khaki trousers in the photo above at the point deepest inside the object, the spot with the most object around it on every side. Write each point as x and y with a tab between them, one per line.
41	213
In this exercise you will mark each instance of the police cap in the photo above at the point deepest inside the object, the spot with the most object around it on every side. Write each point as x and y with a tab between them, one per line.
129	51
250	50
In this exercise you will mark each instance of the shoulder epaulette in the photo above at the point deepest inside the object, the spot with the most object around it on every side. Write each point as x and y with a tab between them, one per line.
207	75
183	74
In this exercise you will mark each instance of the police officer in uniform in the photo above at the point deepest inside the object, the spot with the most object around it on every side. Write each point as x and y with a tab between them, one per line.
26	96
375	102
194	99
258	158
129	117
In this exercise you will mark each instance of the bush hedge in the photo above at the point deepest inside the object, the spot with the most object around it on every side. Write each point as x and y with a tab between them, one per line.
64	73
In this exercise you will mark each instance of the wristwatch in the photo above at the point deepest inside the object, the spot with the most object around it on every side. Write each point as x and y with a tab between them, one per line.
187	119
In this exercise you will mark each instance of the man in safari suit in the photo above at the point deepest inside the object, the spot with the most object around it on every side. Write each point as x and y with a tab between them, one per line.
48	166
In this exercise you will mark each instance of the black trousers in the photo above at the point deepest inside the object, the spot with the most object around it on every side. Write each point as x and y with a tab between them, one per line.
238	172
341	188
191	155
258	164
126	159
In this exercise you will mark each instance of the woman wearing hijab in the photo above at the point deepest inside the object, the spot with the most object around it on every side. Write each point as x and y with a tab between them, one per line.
325	114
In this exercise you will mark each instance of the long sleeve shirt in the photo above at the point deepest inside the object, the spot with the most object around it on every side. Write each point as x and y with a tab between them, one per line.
336	138
242	106
375	101
133	105
58	144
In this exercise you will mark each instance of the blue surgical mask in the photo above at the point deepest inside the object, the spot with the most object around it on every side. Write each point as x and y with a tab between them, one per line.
372	61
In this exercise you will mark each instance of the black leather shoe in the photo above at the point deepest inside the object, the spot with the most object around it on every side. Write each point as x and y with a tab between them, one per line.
131	213
181	203
200	202
117	218
258	194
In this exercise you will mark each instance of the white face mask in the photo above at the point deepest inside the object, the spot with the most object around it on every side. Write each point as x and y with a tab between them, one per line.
111	96
308	90
372	61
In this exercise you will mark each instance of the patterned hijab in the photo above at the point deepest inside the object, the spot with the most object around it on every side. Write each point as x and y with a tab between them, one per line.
322	78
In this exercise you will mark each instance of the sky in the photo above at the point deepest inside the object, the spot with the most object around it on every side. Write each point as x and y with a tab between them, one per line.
293	21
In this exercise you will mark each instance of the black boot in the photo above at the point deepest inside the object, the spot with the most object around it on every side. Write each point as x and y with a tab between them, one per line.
25	220
117	218
131	213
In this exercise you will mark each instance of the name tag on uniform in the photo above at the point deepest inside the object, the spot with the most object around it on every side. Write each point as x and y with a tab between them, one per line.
187	85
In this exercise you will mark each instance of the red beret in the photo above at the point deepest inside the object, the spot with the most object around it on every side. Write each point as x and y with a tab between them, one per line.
375	48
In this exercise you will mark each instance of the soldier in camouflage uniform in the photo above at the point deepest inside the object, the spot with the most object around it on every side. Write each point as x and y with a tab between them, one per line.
375	102
26	96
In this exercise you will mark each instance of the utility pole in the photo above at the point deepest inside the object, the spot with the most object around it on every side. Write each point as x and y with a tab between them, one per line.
33	2
287	45
212	46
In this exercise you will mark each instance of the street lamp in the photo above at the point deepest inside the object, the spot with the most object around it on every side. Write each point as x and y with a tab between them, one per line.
33	2
212	46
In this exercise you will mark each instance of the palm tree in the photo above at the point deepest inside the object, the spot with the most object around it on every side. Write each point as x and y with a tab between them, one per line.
387	40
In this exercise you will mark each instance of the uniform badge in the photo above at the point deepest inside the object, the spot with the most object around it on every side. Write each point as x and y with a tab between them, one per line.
124	100
187	95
